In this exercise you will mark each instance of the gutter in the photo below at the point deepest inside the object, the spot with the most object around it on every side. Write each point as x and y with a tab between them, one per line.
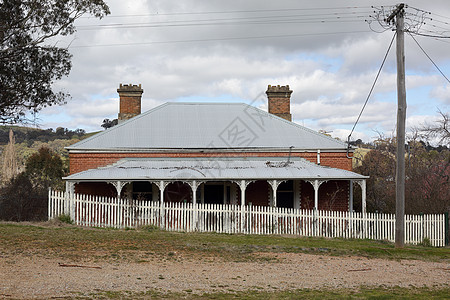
215	150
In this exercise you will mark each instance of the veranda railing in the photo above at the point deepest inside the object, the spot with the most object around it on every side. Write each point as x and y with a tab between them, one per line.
226	218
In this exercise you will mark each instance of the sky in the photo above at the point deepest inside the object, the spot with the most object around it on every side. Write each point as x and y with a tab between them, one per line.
328	52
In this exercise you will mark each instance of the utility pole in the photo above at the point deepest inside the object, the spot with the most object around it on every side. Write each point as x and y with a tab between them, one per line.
398	13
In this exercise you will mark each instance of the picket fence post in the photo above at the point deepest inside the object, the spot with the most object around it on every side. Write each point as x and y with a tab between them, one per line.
49	204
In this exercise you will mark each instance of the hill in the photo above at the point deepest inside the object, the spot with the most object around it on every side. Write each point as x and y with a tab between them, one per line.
29	140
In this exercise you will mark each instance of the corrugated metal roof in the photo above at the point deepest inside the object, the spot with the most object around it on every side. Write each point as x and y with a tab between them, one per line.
207	125
135	169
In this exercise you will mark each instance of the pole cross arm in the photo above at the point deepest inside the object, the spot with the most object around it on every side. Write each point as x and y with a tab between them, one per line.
395	12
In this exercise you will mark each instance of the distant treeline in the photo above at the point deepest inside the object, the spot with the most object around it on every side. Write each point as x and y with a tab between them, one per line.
377	145
23	134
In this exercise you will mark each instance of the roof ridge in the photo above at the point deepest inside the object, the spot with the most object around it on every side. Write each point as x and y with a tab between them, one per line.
203	103
223	113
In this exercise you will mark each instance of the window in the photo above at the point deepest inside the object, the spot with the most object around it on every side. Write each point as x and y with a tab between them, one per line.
142	190
285	194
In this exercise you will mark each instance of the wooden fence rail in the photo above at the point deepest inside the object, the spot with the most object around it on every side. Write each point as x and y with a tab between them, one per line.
227	218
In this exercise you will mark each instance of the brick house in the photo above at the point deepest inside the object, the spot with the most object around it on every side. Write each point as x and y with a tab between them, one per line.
214	153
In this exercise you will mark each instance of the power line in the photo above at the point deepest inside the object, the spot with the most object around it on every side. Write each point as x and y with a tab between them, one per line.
429	57
441	16
415	21
220	23
222	39
439	21
442	41
438	27
431	35
237	11
236	20
371	89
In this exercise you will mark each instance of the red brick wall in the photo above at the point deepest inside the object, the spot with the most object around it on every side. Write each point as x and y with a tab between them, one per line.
335	160
178	192
333	195
85	161
257	193
279	105
130	105
96	189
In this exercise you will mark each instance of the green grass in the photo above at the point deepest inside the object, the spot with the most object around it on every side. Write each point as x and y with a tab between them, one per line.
134	245
65	219
361	293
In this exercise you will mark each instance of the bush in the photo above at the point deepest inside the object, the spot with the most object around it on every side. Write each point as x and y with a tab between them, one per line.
426	242
65	219
25	197
45	169
20	202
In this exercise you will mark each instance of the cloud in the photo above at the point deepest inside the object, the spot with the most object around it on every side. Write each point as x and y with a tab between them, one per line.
330	64
416	121
442	93
342	134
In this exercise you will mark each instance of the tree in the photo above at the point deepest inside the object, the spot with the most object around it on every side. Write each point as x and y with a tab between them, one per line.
29	64
10	168
380	166
427	177
107	123
18	202
45	169
440	130
61	131
80	132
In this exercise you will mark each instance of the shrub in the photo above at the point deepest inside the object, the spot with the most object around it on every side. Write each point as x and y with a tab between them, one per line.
65	219
426	242
149	228
20	202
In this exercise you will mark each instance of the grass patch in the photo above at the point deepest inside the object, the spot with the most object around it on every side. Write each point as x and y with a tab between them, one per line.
74	242
361	293
65	219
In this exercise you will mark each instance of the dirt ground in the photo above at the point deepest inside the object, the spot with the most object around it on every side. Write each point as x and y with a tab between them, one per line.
40	277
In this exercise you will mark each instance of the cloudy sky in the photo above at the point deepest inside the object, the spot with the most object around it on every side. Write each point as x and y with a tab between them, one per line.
328	52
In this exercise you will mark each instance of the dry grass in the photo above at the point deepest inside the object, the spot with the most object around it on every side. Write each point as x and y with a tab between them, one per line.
57	239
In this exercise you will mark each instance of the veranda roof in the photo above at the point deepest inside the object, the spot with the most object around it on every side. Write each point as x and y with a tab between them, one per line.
152	169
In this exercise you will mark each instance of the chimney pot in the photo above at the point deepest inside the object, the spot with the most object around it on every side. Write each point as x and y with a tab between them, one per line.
279	98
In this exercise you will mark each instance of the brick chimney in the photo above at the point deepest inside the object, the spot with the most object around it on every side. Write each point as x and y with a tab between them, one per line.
130	101
280	101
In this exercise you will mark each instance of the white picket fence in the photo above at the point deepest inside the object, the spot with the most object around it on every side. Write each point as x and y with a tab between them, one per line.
226	218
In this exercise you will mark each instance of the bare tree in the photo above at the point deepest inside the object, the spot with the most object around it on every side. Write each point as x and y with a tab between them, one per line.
427	175
10	168
439	130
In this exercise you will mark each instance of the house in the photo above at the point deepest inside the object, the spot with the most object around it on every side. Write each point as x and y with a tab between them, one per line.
224	153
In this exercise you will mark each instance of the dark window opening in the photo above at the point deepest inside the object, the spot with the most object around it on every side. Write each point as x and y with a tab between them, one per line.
213	194
142	190
285	194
